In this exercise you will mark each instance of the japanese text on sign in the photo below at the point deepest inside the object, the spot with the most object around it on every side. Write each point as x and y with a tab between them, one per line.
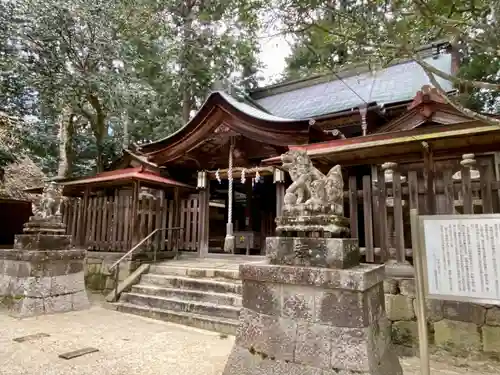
463	257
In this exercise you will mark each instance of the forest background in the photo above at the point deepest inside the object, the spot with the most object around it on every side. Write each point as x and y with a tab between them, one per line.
81	79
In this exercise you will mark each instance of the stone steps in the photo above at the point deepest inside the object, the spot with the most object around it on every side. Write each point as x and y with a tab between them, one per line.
176	304
189	295
206	298
181	282
216	324
195	272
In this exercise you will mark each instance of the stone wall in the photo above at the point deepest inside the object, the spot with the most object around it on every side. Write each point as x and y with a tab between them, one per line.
455	326
97	275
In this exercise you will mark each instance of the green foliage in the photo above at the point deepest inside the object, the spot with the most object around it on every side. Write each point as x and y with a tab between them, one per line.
379	32
101	64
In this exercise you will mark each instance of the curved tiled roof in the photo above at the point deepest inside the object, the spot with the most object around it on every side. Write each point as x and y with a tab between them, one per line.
393	84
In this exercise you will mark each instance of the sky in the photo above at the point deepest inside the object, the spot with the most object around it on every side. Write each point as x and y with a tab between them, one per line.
274	50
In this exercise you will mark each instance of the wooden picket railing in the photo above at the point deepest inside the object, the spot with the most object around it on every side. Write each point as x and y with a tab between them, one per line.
110	223
378	207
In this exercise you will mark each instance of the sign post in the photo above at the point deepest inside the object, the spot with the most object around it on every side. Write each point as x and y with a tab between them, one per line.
423	338
457	258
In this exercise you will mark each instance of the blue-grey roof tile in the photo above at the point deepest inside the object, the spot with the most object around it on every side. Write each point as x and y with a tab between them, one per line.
392	84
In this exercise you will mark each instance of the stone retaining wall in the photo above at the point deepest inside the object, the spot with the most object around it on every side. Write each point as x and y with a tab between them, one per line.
97	274
456	326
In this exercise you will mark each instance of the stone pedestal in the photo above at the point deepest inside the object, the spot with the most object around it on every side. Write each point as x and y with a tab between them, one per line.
43	274
313	311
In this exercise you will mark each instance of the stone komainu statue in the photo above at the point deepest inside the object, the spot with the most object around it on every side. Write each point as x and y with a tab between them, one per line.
311	191
48	205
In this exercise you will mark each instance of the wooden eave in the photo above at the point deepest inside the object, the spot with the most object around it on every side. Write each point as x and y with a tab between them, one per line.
131	159
473	136
427	107
219	110
121	177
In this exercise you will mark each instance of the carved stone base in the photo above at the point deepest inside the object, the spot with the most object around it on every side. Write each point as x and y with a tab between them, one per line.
36	282
313	252
50	225
328	226
312	321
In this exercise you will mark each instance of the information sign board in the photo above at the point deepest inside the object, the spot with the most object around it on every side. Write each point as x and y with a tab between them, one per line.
460	257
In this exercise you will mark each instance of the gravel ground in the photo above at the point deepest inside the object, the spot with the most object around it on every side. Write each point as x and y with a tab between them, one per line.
133	345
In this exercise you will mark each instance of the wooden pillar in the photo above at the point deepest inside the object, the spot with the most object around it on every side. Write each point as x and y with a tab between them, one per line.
84	211
203	228
248	208
280	196
133	225
430	197
177	220
279	182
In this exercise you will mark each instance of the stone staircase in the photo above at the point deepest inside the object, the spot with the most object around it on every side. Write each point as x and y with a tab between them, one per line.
206	298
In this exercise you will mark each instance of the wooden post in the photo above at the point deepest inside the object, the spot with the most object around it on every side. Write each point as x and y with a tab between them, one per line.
353	206
133	225
177	220
280	196
382	207
248	208
204	220
468	161
430	197
279	181
84	217
397	199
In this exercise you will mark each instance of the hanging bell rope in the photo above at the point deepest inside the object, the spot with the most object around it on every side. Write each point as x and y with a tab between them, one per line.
229	240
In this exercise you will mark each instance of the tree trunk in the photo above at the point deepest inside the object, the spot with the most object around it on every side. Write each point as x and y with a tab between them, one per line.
99	138
99	129
66	133
187	36
126	136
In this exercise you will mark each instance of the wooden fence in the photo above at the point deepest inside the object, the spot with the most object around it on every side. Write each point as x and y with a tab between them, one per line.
111	223
378	205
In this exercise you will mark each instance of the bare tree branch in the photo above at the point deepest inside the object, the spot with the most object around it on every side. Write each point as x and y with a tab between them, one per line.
475	115
461	81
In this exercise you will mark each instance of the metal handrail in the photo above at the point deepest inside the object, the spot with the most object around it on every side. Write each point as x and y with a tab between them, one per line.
132	250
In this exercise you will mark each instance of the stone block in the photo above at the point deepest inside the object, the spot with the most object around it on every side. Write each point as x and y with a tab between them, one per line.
80	301
110	283
42	242
399	307
243	361
12	268
313	252
390	286
93	268
269	336
23	307
359	349
434	309
405	332
4	284
58	304
70	283
38	287
299	301
262	297
407	287
358	278
345	308
493	316
491	339
95	281
40	256
464	312
455	334
314	344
